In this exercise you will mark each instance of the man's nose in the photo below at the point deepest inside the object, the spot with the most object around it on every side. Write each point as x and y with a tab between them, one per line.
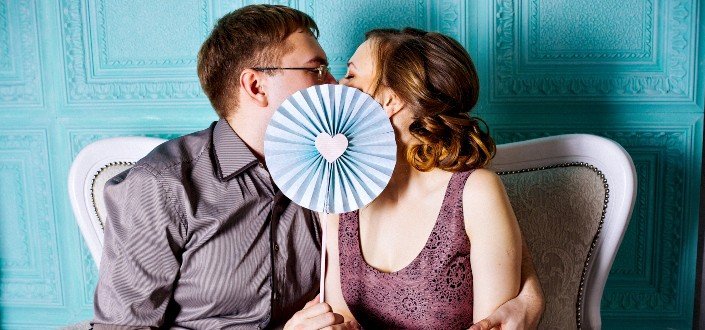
330	79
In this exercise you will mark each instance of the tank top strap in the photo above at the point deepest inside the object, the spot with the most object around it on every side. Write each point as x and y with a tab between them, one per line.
451	217
454	193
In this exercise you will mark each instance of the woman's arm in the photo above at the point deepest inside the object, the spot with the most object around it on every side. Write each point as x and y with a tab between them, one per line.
524	311
496	242
333	294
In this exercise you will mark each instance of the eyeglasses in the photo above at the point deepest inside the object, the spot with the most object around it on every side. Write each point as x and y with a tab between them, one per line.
321	70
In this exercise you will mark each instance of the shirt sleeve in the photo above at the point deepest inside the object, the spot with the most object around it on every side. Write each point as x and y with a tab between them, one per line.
143	239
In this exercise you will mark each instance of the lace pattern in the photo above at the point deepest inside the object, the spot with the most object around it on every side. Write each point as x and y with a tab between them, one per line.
434	290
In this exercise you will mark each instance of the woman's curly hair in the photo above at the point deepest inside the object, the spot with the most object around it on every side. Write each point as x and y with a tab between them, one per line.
435	77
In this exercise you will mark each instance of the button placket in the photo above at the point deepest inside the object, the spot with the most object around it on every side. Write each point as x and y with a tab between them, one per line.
274	226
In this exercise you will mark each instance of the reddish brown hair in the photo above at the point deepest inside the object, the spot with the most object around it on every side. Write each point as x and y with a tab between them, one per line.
248	37
435	77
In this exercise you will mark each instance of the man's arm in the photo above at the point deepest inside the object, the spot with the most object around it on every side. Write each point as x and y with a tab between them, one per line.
139	265
524	311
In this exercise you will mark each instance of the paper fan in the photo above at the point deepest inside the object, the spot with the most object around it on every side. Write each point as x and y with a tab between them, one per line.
330	148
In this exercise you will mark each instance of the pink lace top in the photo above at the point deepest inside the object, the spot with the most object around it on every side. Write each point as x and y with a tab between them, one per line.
433	291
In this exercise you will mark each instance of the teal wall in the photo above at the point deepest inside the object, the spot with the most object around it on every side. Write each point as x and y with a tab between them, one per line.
74	71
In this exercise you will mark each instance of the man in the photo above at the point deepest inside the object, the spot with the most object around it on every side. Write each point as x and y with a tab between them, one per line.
197	235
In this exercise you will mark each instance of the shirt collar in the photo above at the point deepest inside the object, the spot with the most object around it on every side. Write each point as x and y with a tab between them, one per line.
232	156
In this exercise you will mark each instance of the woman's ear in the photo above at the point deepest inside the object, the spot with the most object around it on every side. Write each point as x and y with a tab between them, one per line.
391	103
252	83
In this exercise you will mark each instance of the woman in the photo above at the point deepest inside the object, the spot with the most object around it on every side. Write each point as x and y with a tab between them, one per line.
405	260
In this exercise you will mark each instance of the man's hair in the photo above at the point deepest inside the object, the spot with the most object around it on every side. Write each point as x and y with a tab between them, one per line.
251	36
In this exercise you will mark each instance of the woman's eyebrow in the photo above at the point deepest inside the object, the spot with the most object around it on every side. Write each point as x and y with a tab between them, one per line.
352	64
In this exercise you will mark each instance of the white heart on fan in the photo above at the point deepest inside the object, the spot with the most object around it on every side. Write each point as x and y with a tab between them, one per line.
331	148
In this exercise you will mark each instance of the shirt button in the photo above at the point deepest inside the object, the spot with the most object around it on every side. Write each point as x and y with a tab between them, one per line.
275	296
276	247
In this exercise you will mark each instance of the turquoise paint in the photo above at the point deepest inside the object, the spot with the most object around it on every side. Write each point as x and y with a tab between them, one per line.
74	71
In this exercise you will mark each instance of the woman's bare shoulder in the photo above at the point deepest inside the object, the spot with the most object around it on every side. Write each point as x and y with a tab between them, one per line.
484	199
483	183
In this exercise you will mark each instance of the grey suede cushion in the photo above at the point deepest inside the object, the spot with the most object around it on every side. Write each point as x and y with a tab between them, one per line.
559	211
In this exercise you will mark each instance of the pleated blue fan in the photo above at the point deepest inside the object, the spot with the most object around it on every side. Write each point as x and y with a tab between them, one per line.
330	148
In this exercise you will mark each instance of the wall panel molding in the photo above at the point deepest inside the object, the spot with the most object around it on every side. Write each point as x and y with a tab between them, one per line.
357	18
626	31
13	175
5	61
89	275
125	80
451	18
660	296
20	69
586	71
80	138
30	275
227	6
114	47
637	250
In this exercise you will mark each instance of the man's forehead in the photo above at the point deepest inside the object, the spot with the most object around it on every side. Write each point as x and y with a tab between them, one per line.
304	47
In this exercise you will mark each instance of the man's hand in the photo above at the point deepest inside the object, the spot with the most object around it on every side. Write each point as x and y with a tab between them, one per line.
511	315
317	315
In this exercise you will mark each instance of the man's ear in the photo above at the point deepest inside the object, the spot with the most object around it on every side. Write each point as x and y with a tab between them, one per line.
252	82
391	103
